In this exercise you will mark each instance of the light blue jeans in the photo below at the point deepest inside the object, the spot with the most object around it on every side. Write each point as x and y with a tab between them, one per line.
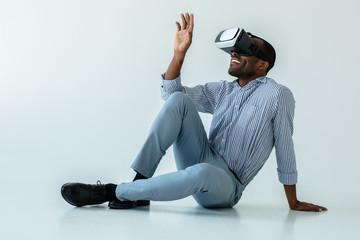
201	173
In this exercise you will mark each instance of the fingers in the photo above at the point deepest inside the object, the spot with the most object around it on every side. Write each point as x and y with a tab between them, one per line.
183	21
314	208
178	26
317	208
303	206
187	22
320	208
191	22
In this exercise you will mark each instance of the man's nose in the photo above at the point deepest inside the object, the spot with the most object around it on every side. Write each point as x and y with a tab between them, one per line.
234	54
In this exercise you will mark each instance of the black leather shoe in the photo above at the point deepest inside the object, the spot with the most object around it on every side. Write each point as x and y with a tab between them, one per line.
80	194
117	204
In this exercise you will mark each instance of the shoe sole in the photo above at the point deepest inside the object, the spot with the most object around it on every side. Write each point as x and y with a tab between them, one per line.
129	205
122	206
142	203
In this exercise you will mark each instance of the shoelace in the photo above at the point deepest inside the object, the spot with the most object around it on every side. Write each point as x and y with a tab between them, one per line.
98	189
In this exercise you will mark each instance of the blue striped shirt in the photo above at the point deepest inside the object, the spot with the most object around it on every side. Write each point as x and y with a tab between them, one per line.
247	123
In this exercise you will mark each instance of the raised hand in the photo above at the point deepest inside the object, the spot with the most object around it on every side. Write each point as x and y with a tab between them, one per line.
183	37
182	43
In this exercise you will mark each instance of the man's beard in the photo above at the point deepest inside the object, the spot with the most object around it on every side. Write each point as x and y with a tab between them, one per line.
241	73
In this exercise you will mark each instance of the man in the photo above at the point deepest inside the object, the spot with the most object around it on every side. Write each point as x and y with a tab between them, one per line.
251	115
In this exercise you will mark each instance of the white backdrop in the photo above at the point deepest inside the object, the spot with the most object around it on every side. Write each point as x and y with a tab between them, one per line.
80	86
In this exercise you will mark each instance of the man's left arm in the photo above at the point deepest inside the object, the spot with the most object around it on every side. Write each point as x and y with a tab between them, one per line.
285	154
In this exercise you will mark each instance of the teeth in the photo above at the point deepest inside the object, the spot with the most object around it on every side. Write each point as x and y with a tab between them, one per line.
235	61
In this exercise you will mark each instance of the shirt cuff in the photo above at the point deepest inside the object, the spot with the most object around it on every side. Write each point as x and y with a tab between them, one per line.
288	178
170	86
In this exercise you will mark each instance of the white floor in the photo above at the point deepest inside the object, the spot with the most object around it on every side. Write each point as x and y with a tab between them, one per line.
39	212
173	220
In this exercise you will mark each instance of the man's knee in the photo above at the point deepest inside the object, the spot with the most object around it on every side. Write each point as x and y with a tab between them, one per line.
179	101
178	95
201	173
179	98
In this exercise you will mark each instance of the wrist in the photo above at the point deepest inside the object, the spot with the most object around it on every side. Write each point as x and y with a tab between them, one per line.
293	204
290	191
179	55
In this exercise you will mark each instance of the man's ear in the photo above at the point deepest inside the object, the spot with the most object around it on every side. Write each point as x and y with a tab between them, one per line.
263	65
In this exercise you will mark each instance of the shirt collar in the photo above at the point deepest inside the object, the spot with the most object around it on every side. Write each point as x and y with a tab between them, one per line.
262	79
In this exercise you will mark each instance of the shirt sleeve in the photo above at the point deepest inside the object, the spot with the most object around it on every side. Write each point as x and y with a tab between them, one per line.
283	131
204	96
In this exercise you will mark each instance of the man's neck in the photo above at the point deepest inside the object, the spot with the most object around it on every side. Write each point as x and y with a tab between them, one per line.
243	81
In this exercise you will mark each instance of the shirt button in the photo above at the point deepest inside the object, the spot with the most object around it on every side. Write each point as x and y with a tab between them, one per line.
242	89
223	139
236	106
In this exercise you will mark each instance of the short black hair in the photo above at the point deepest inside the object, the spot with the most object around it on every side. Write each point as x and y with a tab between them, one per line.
269	51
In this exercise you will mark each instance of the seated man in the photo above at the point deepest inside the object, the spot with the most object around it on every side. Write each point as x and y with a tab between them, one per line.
251	115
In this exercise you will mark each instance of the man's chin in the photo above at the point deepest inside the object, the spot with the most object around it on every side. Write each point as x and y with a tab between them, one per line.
232	72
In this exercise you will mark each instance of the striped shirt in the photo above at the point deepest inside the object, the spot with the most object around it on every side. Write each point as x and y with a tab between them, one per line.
247	123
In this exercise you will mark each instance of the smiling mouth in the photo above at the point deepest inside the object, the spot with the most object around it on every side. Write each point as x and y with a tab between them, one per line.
235	61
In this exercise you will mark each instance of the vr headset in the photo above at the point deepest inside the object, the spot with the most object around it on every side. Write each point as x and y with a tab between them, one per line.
239	41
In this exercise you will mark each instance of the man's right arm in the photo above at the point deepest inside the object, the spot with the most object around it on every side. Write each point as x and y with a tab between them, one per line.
182	42
204	96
